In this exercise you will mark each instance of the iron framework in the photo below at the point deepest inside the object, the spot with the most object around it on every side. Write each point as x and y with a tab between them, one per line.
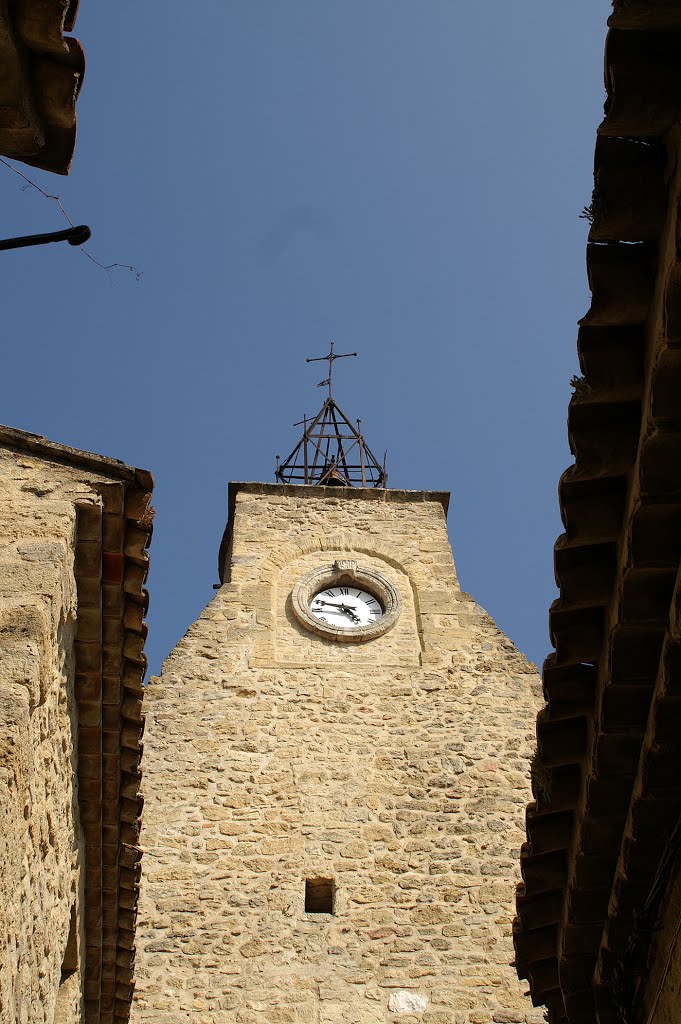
331	452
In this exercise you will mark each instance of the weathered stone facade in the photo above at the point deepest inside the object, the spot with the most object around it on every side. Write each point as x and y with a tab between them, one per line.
43	847
54	915
397	769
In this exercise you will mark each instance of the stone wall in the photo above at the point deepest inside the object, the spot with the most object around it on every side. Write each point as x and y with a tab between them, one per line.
398	769
41	849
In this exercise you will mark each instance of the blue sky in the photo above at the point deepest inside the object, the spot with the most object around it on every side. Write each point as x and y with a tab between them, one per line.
405	177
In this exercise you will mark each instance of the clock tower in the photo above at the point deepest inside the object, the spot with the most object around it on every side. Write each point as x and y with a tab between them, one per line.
336	768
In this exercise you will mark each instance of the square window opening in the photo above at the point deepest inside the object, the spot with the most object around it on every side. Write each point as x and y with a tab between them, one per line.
319	896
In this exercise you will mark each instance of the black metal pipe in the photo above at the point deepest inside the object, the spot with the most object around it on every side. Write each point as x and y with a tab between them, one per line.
74	236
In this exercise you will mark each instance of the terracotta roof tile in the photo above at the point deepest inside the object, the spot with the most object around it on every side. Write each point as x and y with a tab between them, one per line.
42	74
605	782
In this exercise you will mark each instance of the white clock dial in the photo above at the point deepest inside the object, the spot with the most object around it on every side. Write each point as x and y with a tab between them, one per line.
345	607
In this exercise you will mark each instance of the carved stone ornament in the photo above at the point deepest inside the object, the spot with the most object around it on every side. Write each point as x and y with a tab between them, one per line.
346	573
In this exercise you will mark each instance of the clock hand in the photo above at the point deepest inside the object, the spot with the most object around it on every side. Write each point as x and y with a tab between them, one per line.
343	607
350	611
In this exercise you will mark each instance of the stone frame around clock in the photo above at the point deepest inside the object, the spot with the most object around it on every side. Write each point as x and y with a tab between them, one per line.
346	572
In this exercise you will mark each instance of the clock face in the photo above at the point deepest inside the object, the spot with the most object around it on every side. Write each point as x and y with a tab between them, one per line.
345	607
346	602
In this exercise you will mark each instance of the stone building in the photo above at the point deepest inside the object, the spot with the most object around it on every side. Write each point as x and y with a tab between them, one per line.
336	769
74	528
336	780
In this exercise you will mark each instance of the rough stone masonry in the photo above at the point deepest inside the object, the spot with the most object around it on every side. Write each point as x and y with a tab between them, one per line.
74	528
41	846
391	777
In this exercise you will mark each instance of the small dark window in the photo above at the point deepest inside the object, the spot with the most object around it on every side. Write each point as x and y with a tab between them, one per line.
319	895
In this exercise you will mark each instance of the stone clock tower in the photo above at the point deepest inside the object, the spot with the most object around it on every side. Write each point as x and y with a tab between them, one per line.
336	768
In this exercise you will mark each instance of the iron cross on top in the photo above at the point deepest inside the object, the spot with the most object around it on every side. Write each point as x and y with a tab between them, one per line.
331	356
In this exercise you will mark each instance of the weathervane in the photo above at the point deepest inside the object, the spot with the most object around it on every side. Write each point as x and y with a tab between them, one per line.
331	356
331	452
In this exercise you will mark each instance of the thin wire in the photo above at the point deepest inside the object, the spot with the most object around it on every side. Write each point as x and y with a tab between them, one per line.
57	200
